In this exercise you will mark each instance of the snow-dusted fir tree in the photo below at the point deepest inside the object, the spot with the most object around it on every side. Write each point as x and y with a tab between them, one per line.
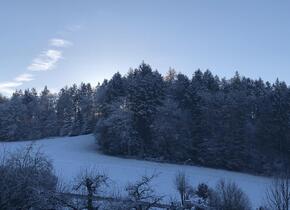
145	94
47	114
65	112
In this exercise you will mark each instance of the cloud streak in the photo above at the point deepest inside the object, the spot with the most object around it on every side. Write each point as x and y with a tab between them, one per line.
59	43
9	87
24	78
48	59
45	61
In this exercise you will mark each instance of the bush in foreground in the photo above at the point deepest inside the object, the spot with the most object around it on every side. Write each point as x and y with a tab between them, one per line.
27	181
229	196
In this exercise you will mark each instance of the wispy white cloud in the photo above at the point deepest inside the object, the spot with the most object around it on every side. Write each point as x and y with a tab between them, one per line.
59	43
45	61
9	87
48	59
24	78
10	84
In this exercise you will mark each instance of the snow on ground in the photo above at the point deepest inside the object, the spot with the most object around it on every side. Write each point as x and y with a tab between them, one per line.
72	154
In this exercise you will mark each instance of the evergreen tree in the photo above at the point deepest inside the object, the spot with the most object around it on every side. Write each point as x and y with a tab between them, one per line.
145	94
171	132
87	108
65	112
236	123
29	112
47	114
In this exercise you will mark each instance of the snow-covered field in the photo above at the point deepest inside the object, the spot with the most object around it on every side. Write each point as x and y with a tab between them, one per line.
72	154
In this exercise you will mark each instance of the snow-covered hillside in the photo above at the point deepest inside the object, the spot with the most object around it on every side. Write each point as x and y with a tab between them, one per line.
72	154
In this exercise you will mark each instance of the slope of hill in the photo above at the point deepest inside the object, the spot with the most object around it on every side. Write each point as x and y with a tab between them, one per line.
72	154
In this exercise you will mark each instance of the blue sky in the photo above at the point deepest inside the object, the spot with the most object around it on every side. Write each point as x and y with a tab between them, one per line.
61	42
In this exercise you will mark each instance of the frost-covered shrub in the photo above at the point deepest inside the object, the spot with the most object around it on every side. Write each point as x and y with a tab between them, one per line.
27	181
203	191
228	196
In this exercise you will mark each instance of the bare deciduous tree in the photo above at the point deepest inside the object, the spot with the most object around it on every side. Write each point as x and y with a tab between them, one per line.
182	186
278	193
90	182
141	193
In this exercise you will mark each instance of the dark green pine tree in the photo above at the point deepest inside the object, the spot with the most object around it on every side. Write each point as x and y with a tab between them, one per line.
193	103
30	123
179	90
281	117
47	114
87	108
65	112
145	94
